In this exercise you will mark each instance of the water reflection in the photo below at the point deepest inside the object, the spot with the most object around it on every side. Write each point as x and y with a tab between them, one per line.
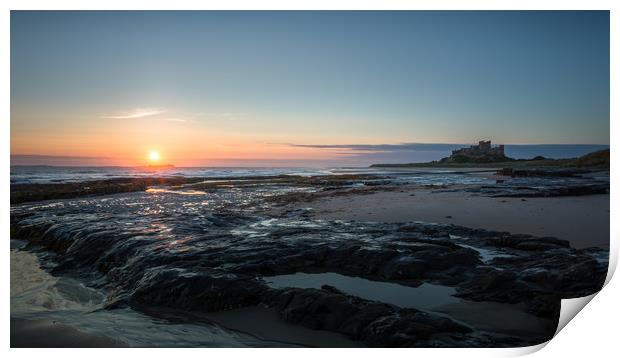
425	296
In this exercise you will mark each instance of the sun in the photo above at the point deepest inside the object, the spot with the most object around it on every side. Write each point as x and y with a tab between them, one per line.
154	156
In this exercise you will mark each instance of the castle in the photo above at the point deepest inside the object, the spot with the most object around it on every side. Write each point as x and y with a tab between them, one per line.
483	152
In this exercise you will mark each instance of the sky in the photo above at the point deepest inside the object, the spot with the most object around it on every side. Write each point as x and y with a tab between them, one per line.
229	88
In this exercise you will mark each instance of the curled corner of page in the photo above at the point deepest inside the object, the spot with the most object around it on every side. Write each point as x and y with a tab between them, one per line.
570	308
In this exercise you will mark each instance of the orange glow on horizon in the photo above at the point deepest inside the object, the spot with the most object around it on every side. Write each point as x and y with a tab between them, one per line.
118	142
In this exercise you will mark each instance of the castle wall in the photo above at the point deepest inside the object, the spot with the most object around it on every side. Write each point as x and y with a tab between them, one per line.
482	149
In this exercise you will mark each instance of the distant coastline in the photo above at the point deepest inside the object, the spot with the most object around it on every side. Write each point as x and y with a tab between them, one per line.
596	159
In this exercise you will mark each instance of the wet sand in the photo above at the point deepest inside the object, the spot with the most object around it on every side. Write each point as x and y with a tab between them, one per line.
264	323
582	220
50	334
509	319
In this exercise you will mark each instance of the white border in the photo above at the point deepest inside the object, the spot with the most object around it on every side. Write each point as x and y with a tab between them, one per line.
592	333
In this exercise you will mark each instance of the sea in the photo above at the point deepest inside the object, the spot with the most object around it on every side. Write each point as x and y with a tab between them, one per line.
409	153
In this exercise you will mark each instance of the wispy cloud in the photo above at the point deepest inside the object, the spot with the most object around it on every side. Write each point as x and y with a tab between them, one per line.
377	148
180	120
362	154
228	115
137	113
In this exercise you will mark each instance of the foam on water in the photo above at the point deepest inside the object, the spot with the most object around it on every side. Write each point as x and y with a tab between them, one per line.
36	295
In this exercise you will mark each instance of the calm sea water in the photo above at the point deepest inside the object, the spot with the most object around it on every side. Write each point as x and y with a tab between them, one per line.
51	174
45	174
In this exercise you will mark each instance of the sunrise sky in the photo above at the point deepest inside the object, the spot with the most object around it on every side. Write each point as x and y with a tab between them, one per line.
224	88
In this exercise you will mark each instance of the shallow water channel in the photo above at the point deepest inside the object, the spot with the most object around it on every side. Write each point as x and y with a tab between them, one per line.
425	296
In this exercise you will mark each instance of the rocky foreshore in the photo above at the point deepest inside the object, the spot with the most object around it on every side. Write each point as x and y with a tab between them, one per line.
27	192
215	248
222	269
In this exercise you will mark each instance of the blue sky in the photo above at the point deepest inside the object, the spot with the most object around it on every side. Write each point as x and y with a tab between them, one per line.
263	79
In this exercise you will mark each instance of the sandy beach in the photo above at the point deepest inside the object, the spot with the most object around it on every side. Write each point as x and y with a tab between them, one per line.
582	220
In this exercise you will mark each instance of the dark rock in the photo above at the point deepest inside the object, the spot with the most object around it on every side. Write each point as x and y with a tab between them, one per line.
195	291
376	324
